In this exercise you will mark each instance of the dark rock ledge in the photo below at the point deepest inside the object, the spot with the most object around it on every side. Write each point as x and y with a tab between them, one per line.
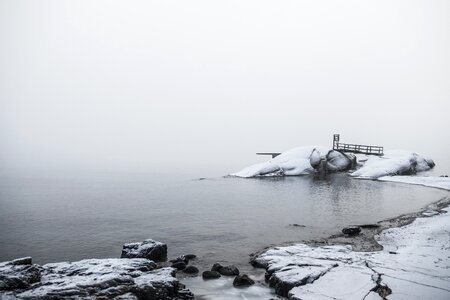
112	278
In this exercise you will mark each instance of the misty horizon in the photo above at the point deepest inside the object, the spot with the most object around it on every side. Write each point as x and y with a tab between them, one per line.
106	85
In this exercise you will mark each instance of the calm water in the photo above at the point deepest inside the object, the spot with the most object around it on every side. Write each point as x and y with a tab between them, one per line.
218	219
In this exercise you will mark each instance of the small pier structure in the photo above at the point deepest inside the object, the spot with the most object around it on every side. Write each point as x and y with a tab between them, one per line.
354	148
273	154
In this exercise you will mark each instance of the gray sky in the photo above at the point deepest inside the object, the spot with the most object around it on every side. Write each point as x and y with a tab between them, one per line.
139	85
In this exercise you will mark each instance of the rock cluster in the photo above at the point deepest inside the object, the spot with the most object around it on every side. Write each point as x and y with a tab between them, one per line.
181	263
113	278
217	270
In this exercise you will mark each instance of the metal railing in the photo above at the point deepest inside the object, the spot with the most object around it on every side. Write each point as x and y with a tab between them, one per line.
363	149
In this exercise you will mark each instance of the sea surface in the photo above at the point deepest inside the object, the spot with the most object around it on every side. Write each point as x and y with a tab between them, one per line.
223	219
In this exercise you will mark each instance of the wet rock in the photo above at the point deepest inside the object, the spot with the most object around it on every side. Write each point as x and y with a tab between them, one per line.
149	249
18	274
338	162
178	259
134	278
296	225
191	270
179	265
216	267
22	261
229	270
243	280
210	275
190	256
370	226
183	258
351	230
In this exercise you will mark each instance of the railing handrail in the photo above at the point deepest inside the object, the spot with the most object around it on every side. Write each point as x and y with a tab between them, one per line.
359	146
366	149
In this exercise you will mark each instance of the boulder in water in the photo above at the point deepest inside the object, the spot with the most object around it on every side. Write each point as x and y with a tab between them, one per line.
229	270
243	280
191	270
351	230
210	275
149	249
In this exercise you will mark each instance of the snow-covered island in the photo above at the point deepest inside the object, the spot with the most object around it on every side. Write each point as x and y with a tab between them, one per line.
310	159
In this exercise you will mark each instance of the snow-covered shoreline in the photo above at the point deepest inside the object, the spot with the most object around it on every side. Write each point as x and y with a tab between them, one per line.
414	264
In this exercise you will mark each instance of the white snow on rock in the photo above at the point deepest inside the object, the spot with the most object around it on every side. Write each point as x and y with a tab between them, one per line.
135	278
432	181
149	249
353	283
306	160
415	264
393	162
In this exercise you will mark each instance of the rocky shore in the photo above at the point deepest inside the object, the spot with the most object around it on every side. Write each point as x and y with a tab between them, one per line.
136	275
413	262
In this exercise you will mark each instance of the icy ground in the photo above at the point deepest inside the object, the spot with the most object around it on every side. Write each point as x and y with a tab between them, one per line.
307	160
437	182
415	264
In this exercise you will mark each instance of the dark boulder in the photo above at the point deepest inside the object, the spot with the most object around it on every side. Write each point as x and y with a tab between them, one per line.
243	280
179	265
216	267
210	275
190	256
229	270
296	225
191	270
149	249
184	258
338	161
351	230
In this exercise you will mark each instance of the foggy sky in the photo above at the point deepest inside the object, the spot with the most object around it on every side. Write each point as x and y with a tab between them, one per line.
140	85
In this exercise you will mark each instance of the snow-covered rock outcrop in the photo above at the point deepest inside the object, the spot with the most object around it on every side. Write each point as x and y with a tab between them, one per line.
310	159
299	161
149	249
18	274
393	162
413	265
114	278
